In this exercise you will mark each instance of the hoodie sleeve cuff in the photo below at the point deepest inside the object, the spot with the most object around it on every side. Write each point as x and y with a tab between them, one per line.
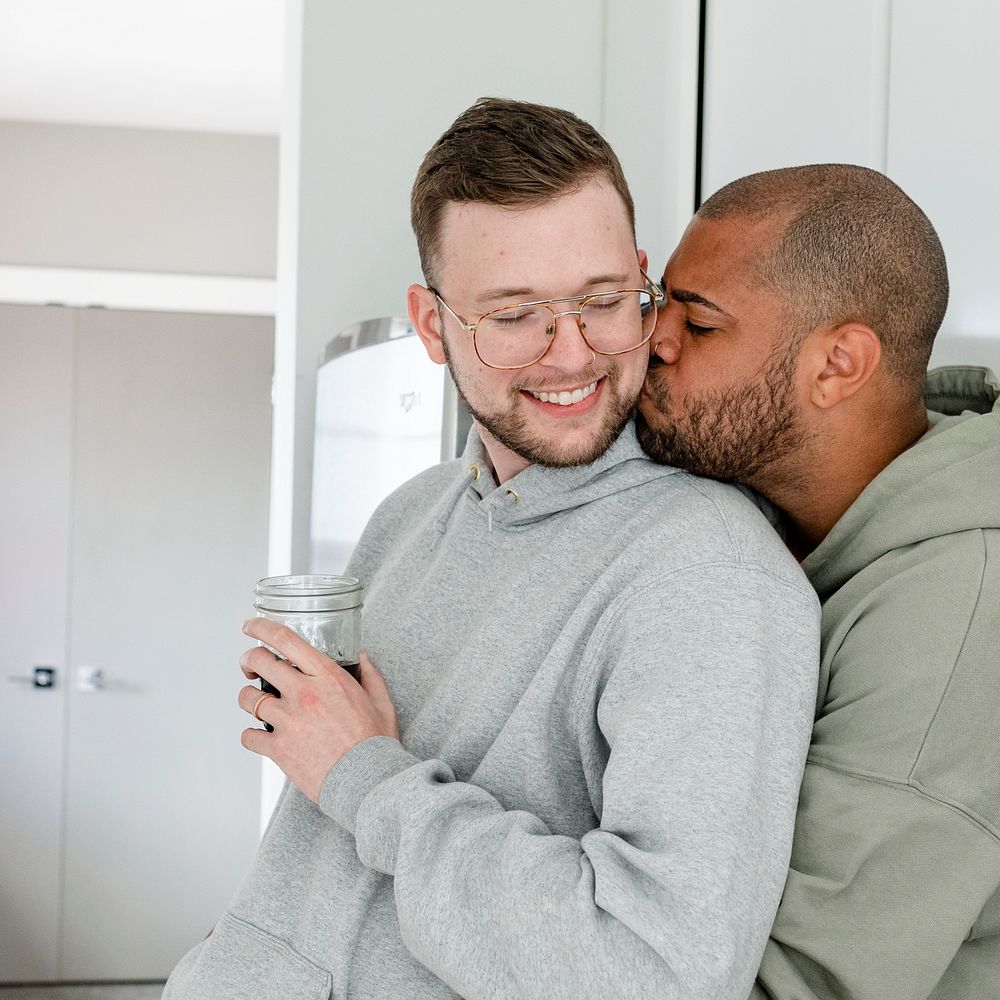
361	769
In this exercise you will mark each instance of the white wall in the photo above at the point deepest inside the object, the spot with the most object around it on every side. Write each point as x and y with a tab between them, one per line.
650	113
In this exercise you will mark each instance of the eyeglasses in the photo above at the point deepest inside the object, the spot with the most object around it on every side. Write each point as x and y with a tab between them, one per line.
517	336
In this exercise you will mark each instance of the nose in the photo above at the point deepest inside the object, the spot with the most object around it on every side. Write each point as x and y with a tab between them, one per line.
665	342
568	349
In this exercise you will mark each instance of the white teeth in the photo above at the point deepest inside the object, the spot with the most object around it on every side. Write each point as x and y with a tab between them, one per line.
565	397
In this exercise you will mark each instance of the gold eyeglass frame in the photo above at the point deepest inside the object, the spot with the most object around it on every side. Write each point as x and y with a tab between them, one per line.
652	288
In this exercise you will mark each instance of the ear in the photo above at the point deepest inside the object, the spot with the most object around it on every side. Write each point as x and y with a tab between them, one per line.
643	260
844	358
421	303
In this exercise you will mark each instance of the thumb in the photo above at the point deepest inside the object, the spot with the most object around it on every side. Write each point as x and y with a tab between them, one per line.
375	687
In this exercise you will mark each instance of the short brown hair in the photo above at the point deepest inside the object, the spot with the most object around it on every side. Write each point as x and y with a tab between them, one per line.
507	153
855	247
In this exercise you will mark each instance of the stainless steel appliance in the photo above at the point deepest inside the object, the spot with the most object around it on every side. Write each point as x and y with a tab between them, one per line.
384	412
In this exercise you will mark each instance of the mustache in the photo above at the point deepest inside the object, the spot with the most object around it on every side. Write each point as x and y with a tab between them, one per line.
583	377
656	388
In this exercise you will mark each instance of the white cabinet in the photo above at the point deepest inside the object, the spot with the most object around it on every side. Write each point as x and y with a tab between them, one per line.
789	82
135	448
908	87
944	144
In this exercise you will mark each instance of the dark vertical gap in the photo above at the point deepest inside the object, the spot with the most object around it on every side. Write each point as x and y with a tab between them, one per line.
700	122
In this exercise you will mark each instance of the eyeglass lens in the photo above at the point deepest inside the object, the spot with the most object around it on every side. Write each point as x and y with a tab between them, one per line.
519	335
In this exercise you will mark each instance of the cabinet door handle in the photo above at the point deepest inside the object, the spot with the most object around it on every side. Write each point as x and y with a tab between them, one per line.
95	680
40	677
91	680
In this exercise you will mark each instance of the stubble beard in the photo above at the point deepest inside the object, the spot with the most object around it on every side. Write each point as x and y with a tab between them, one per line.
745	433
509	424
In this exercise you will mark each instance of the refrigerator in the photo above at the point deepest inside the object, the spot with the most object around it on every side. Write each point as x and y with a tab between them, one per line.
384	412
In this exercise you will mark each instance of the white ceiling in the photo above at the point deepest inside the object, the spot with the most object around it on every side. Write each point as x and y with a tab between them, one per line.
211	65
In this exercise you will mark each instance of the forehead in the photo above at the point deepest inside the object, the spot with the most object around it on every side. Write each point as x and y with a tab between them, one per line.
554	244
722	255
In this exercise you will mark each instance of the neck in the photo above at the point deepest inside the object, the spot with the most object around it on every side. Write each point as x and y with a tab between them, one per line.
506	463
837	474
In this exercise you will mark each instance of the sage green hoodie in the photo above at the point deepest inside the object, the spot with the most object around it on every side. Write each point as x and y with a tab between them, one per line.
894	889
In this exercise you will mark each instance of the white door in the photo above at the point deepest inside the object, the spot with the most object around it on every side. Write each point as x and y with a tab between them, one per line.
160	804
36	380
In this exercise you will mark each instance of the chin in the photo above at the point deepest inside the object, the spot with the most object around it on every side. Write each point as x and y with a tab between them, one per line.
557	457
660	443
582	445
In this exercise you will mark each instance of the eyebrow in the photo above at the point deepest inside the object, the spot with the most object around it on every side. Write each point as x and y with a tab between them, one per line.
681	295
531	295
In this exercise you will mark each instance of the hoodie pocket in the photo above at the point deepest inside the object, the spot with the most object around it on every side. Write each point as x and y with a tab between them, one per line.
242	962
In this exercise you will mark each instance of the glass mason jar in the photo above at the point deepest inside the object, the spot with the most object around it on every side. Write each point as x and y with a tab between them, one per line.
324	610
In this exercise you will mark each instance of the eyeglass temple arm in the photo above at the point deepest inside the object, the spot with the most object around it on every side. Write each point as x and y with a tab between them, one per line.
654	286
465	326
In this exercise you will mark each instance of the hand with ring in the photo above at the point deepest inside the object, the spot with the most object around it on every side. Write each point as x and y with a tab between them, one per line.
322	711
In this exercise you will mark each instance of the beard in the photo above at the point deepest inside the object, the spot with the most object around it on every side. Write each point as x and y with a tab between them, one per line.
510	425
744	433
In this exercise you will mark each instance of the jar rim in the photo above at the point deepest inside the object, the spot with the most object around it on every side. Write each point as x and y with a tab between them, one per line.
308	592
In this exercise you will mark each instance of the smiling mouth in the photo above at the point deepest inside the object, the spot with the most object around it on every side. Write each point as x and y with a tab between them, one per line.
565	397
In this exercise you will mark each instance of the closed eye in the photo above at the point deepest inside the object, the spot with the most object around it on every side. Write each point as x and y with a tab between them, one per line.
605	305
697	331
510	317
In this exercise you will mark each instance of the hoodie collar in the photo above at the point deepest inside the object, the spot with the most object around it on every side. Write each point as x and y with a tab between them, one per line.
539	491
944	483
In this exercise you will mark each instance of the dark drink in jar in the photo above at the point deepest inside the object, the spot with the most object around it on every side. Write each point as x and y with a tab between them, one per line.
324	610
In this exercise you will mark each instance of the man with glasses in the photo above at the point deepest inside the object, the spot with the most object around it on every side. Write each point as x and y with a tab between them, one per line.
574	772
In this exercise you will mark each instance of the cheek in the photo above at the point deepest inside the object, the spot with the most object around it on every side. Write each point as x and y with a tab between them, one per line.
633	368
701	359
486	388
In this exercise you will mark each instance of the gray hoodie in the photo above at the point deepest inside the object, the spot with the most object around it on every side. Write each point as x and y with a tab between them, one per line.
605	679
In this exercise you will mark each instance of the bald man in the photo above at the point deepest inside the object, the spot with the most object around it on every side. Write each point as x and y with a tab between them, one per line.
791	355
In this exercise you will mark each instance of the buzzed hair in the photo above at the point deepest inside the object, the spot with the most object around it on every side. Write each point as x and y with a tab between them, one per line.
855	248
508	153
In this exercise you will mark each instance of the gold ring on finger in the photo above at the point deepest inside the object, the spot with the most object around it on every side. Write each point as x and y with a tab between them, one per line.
257	703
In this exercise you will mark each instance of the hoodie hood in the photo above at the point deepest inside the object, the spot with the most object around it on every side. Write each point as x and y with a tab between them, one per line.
948	481
538	491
